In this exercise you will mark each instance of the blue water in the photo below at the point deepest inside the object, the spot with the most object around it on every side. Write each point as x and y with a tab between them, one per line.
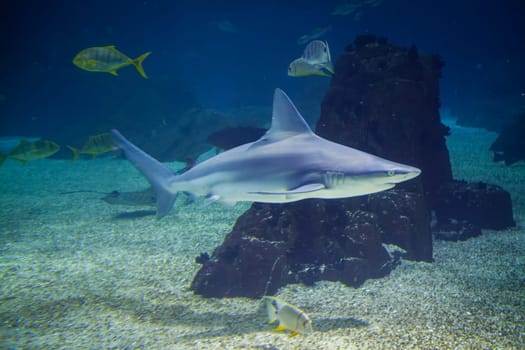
41	91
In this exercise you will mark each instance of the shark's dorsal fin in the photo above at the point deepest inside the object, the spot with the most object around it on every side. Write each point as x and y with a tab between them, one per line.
286	120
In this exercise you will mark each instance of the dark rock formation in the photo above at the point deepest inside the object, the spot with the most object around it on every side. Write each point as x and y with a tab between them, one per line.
383	100
335	240
481	204
454	230
273	245
510	144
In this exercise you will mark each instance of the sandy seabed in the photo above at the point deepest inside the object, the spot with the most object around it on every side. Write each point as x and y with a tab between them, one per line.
74	276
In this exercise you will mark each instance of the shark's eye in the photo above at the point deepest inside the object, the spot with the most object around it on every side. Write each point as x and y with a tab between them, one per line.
391	172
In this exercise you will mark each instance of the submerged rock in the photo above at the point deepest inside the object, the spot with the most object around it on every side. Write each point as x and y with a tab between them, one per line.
510	144
481	204
273	245
454	230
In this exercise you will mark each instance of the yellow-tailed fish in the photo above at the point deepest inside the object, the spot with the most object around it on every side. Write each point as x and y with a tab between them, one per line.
107	59
289	316
26	151
94	146
300	68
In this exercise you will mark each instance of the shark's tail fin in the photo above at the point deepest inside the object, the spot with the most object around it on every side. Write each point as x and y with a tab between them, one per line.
158	175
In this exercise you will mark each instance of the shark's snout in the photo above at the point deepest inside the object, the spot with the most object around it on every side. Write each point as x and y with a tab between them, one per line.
397	173
405	173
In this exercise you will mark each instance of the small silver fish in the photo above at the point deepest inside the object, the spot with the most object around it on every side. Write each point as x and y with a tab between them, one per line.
314	34
349	7
289	316
225	26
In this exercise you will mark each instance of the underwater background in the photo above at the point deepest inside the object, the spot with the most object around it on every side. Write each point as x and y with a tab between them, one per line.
78	272
224	68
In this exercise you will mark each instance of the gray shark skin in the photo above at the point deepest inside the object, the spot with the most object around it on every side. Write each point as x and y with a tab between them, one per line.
287	164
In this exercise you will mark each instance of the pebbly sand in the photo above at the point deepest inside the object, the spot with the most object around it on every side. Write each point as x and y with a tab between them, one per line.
74	276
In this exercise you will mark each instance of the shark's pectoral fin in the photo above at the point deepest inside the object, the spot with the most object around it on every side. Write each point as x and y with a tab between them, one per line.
301	189
307	188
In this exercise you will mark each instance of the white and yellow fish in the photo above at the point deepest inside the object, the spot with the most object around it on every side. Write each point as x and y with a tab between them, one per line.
316	60
318	52
300	68
289	316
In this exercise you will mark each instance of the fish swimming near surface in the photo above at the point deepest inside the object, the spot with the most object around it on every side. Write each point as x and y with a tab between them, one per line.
27	151
107	59
314	34
288	163
94	146
349	7
316	60
225	26
288	316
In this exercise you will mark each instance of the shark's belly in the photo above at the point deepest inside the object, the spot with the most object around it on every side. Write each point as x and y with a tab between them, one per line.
252	186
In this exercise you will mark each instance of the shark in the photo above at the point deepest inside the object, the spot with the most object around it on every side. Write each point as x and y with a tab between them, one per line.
288	163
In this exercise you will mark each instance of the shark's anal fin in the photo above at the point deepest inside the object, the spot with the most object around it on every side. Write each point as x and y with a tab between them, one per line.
301	189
